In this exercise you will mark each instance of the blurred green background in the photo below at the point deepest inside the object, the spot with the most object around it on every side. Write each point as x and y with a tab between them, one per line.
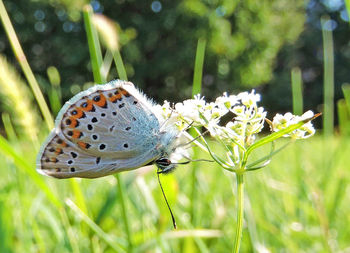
250	44
295	53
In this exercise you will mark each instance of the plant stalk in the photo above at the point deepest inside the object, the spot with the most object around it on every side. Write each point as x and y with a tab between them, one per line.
124	212
22	60
240	209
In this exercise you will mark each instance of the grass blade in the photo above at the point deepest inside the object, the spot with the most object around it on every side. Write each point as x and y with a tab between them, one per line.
343	117
120	65
108	33
346	92
198	67
96	61
114	244
22	60
78	194
94	45
328	88
55	95
121	190
347	5
196	89
196	234
10	131
297	91
22	164
17	98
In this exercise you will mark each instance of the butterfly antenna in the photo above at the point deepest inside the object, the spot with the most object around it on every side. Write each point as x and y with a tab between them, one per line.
171	213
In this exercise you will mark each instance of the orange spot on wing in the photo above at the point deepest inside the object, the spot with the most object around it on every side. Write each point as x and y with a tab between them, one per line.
124	92
53	159
73	123
64	144
83	145
59	151
115	97
102	102
77	113
89	106
76	134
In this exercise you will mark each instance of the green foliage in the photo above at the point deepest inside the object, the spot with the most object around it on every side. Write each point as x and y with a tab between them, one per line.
307	54
328	89
243	39
282	197
297	91
343	106
18	99
298	202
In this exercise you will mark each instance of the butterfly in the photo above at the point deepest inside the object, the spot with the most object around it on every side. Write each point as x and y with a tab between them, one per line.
104	130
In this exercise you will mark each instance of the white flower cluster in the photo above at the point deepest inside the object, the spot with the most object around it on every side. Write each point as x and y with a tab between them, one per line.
233	120
283	121
247	118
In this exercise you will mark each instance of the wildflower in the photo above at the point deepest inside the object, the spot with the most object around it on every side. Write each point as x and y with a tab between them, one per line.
280	122
240	132
226	102
238	136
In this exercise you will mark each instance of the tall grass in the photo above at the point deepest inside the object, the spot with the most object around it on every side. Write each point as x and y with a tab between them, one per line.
94	45
297	91
96	60
343	106
55	95
328	88
298	202
18	99
196	89
22	60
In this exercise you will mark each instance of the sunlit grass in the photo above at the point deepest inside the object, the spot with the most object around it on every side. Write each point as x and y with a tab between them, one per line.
328	86
298	202
290	201
17	97
22	60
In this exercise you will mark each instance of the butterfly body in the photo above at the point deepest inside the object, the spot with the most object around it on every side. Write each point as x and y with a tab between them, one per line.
103	130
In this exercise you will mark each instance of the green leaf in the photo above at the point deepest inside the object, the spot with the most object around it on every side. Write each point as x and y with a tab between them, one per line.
94	45
198	67
275	136
22	164
266	159
116	244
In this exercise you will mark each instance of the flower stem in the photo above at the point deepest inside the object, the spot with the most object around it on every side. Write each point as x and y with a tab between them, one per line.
121	189
240	208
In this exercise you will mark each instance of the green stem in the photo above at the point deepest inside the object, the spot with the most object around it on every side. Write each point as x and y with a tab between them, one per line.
240	208
120	65
194	196
22	60
94	45
328	73
196	89
124	212
198	67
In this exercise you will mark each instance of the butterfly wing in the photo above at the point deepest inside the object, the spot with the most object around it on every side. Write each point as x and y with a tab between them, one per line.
105	129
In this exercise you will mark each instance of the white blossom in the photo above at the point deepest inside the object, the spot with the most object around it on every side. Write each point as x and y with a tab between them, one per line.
241	129
226	102
249	99
280	122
